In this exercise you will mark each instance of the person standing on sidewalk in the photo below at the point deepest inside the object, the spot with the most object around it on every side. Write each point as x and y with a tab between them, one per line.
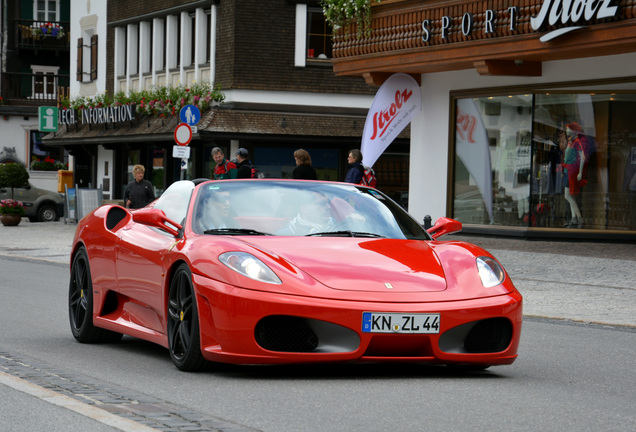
303	169
355	169
244	164
224	169
139	192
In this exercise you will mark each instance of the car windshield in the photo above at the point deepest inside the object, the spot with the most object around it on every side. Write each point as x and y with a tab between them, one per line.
297	208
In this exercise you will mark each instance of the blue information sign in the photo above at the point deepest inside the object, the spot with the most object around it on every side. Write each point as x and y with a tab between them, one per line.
190	115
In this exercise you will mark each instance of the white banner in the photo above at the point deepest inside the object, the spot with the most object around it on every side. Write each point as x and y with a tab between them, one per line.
392	109
473	149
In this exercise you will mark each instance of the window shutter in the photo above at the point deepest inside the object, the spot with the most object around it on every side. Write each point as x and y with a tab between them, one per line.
93	57
79	71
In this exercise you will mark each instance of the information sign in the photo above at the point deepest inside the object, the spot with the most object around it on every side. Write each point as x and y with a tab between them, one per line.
47	119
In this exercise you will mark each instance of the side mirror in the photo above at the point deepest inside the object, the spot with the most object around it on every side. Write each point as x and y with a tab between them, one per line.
156	218
443	226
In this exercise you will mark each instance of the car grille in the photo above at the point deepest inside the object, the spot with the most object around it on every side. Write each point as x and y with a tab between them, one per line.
489	336
285	334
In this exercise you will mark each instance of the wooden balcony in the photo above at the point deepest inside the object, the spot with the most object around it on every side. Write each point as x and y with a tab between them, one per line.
40	35
33	89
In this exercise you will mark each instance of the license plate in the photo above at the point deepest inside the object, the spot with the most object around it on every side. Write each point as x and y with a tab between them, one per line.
382	322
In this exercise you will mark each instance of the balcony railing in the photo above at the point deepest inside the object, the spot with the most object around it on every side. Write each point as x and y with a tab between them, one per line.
42	35
33	89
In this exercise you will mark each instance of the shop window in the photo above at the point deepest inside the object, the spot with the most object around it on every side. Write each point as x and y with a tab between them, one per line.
493	160
554	160
157	176
45	158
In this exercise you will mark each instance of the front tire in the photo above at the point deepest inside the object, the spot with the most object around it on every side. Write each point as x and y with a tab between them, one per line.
47	213
183	322
80	304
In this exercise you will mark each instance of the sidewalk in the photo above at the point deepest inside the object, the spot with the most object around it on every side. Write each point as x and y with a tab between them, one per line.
580	281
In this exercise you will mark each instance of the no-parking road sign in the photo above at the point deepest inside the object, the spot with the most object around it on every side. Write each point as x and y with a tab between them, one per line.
183	134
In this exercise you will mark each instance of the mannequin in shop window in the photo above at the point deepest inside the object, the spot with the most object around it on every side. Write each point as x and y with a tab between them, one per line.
574	169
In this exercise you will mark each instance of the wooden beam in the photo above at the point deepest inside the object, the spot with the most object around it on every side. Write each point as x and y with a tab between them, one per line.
508	67
378	78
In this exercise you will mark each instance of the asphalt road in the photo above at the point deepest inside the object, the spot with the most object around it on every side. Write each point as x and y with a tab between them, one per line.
569	376
579	281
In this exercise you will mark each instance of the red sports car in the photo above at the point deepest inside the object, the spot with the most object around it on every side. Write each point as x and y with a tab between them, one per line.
281	271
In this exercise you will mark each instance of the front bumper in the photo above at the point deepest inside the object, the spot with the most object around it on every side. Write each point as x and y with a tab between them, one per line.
250	327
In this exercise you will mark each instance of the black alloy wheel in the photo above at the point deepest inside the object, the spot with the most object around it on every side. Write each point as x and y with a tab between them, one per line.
80	304
183	322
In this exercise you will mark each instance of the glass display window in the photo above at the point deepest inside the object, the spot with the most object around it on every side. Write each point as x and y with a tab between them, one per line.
549	160
493	160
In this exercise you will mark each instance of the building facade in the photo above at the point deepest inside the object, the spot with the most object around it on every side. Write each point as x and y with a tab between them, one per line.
34	73
503	85
272	62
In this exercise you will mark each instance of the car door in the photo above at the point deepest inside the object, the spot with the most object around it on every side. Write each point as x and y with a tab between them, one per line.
140	263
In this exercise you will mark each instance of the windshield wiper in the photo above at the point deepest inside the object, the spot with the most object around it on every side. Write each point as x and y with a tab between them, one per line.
344	233
234	231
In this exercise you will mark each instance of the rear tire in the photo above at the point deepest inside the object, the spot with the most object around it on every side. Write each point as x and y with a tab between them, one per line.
80	304
184	340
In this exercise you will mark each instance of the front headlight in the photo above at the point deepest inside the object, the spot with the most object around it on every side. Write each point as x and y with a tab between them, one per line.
490	271
250	266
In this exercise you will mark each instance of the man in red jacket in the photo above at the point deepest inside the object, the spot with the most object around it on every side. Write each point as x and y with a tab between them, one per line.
224	169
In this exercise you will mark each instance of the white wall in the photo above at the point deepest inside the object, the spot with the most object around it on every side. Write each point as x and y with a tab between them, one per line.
86	15
428	186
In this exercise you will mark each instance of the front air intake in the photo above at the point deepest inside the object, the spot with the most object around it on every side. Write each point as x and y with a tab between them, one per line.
489	336
285	334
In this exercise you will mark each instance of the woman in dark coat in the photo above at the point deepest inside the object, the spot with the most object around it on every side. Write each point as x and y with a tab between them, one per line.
356	169
303	169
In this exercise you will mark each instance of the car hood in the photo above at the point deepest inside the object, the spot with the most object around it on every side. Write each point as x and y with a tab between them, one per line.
355	264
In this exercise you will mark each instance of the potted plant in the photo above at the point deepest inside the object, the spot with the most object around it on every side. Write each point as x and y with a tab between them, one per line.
12	175
11	212
342	12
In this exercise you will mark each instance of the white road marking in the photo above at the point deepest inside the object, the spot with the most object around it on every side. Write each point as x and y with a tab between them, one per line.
69	403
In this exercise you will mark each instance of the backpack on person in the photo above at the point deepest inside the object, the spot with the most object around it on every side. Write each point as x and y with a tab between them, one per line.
368	177
255	172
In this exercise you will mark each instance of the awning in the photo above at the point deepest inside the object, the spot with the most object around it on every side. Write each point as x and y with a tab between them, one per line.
215	121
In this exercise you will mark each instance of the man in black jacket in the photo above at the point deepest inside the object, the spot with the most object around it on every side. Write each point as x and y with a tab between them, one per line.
244	165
